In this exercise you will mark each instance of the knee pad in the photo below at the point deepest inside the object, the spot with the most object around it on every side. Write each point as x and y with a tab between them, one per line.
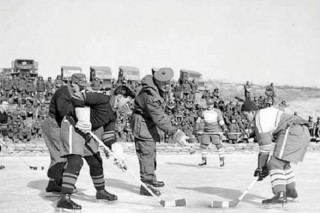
74	164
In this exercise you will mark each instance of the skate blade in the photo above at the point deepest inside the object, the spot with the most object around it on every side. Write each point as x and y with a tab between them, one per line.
280	206
68	210
106	201
293	200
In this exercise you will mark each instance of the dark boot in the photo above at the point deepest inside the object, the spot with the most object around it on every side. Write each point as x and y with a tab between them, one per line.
292	193
155	183
204	161
143	191
2	167
105	195
222	162
53	186
65	202
279	198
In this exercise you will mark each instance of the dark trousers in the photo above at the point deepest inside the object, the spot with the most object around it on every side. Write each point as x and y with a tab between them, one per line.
146	152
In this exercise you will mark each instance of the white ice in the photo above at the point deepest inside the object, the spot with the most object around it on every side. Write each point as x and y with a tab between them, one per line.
23	190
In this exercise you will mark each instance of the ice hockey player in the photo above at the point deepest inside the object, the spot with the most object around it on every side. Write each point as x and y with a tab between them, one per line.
291	136
213	123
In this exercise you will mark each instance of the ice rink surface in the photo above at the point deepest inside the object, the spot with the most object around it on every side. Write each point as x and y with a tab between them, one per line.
23	190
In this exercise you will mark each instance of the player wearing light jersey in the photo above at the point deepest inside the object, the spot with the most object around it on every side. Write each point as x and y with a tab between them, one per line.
213	122
291	137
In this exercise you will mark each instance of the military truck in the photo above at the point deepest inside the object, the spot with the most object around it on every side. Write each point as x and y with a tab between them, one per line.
189	75
67	71
25	68
129	73
104	74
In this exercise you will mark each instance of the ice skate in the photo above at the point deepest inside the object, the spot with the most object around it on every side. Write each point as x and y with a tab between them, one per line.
292	194
104	195
66	204
278	201
222	162
204	162
143	191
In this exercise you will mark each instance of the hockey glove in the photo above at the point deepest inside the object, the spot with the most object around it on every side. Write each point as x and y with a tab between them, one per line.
262	171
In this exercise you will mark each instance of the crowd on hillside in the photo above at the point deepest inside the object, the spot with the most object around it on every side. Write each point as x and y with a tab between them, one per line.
29	99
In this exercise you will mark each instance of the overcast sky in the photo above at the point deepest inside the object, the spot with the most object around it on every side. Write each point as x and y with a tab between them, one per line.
261	41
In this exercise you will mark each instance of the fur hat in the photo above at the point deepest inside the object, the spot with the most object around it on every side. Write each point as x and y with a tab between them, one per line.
249	105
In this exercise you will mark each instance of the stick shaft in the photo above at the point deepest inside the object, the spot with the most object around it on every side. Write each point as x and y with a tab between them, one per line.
247	190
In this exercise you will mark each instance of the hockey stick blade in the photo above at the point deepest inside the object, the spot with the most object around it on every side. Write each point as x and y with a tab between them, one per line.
232	203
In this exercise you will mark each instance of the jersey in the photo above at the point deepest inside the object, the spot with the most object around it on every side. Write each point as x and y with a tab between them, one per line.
212	120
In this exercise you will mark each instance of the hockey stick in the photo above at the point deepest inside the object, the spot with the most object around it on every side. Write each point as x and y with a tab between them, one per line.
25	162
180	202
232	203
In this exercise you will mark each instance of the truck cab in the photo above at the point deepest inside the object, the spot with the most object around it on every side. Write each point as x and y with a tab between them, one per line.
104	74
67	71
25	68
189	75
129	74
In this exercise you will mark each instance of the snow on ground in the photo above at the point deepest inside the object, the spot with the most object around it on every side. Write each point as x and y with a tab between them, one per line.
22	189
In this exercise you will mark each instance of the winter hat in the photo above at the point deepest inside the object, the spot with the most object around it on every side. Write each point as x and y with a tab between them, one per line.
249	105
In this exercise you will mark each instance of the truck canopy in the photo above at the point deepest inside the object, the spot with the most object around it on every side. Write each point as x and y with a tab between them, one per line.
189	75
67	71
129	73
101	72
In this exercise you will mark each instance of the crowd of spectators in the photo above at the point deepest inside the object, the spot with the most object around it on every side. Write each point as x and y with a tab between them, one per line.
29	99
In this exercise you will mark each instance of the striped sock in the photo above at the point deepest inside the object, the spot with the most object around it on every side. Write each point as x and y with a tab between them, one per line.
278	180
221	152
98	182
68	183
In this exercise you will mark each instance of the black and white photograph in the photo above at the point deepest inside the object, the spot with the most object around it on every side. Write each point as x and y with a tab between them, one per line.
159	106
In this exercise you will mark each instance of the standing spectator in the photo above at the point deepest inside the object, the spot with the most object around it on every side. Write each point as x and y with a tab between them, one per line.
7	87
177	91
311	127
41	85
22	85
247	91
317	129
49	86
291	137
194	89
186	89
270	93
4	119
31	88
15	82
148	117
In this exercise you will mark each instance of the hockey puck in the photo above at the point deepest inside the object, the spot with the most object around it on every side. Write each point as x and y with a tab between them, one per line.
42	167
